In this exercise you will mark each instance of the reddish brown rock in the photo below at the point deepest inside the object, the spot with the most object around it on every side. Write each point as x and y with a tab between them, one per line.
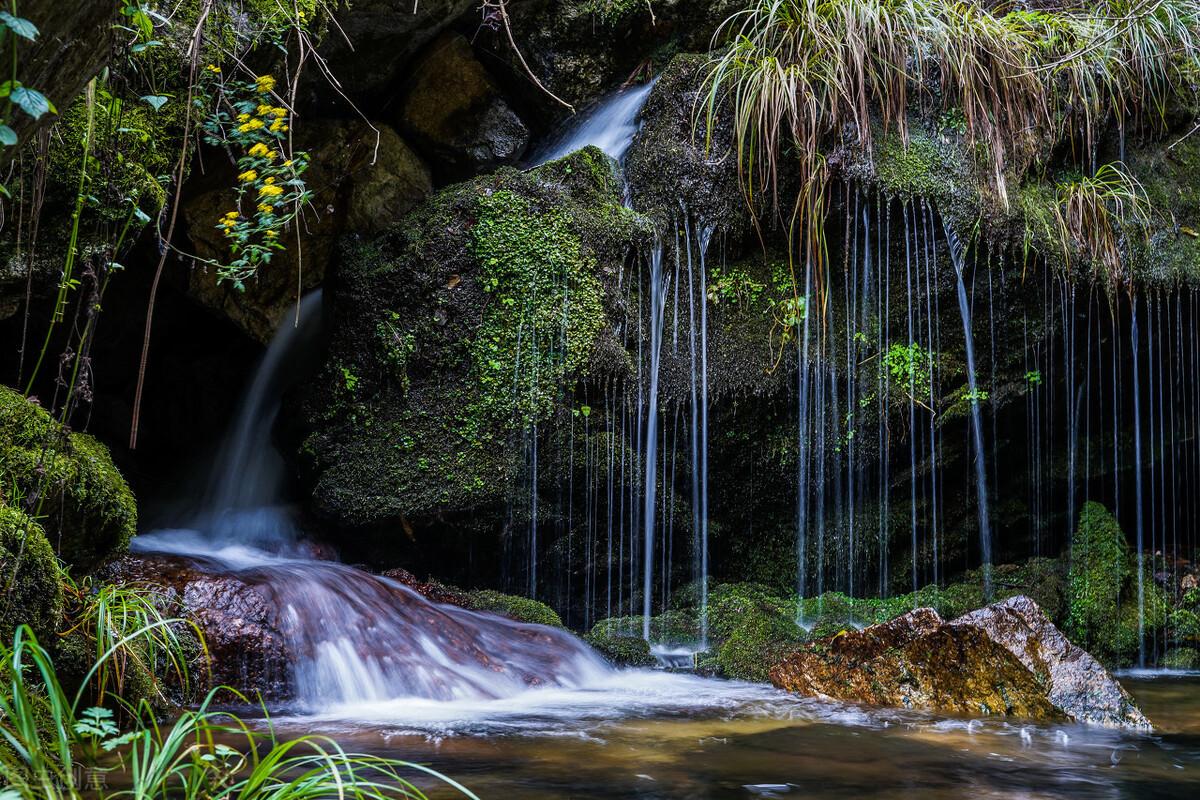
246	647
917	661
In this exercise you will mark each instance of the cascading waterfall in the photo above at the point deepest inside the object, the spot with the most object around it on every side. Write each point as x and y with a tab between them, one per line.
609	125
352	637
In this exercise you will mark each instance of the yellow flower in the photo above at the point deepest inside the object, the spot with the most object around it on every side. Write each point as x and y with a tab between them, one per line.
252	125
264	83
264	110
247	176
271	156
272	234
287	163
231	215
270	191
268	180
243	117
258	150
279	112
263	208
213	68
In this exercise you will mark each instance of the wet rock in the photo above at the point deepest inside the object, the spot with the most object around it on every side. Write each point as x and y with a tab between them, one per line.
917	661
430	590
242	630
1006	658
363	178
670	161
1077	683
454	109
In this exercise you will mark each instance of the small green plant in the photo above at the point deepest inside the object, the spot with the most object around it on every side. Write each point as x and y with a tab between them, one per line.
1033	378
349	379
908	367
1090	211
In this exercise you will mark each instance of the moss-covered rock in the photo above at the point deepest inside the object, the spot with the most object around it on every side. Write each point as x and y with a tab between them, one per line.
68	480
30	585
515	607
457	330
674	166
620	643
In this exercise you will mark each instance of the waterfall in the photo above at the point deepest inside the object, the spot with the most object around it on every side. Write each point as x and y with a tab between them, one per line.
981	493
658	297
610	125
352	637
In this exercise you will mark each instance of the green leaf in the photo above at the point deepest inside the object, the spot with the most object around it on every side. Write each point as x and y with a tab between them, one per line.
8	137
140	46
156	101
19	25
31	101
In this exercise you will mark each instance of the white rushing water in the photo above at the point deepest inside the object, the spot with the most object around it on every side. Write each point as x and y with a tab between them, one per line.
610	125
353	637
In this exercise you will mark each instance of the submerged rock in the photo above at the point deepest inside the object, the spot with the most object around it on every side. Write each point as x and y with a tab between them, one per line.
1078	684
1007	658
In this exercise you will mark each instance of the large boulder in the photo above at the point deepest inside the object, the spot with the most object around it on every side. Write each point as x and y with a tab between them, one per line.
363	178
1006	658
917	661
455	111
67	479
1077	684
413	415
373	43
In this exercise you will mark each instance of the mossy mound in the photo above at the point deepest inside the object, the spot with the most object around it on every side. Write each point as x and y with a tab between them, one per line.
620	642
1181	658
1098	573
68	479
520	609
457	330
31	592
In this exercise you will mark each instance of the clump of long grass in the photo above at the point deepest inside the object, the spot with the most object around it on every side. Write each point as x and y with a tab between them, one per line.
134	644
52	747
796	74
1090	213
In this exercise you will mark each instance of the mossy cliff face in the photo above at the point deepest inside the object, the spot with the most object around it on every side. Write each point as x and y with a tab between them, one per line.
67	480
463	325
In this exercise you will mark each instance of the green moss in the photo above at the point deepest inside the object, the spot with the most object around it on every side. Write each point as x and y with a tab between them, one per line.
1181	658
464	325
758	643
1098	571
83	503
30	588
619	646
532	266
521	609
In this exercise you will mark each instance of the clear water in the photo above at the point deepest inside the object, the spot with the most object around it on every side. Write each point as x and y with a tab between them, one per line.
641	734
